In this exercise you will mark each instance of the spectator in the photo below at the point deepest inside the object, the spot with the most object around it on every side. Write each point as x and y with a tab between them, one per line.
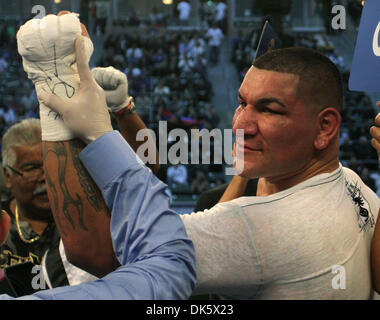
215	36
196	38
184	10
33	232
161	92
134	54
177	174
197	49
220	15
185	64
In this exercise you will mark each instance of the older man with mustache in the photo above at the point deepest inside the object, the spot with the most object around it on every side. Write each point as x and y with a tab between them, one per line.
33	236
32	230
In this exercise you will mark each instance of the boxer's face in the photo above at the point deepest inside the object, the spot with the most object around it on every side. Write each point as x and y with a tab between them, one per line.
278	129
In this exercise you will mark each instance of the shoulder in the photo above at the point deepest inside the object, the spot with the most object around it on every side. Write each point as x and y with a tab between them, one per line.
219	214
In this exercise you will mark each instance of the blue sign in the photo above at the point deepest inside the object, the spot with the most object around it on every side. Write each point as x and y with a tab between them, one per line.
365	70
268	41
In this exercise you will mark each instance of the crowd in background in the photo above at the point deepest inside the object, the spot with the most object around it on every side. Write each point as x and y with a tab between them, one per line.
18	99
167	75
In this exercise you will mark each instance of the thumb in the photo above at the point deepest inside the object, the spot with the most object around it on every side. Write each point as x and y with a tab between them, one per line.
52	101
82	60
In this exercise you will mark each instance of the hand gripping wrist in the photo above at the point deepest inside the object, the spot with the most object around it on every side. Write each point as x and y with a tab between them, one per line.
49	59
86	113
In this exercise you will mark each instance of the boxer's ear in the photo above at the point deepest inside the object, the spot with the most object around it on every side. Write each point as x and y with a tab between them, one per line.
329	120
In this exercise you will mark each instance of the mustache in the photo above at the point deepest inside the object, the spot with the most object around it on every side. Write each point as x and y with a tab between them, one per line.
40	189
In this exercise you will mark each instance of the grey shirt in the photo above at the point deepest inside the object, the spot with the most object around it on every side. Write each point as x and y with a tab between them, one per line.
311	241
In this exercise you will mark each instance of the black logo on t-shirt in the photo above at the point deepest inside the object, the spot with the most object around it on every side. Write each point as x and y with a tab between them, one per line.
363	211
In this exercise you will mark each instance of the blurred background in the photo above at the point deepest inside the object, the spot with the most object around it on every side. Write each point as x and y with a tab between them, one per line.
180	71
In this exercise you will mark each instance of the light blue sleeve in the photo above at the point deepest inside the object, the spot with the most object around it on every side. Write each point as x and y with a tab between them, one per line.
157	258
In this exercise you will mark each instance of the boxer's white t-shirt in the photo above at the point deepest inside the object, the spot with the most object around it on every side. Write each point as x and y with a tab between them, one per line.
311	241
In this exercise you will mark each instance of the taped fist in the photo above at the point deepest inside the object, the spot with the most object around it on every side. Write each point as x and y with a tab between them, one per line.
86	113
115	86
47	49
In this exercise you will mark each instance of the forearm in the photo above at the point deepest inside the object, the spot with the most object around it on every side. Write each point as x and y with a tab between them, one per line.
130	124
78	208
145	232
235	189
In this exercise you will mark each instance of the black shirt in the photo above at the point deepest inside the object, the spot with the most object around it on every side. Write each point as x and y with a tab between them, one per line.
15	251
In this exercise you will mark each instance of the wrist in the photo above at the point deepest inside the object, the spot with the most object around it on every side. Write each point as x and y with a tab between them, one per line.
128	109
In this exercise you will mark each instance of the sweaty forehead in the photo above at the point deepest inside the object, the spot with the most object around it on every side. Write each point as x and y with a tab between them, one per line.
260	83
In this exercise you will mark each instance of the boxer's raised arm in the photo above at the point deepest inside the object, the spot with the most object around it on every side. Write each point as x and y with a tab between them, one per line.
150	241
79	211
82	218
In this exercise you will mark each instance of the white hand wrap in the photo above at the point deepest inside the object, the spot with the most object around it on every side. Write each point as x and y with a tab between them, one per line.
47	49
115	86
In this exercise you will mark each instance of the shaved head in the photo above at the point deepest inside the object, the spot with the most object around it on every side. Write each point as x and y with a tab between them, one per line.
320	82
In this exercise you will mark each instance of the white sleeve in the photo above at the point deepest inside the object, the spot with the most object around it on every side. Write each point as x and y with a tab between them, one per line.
74	274
226	260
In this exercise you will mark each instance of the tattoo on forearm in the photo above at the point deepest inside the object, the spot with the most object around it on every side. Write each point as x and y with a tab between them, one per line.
93	194
61	154
55	197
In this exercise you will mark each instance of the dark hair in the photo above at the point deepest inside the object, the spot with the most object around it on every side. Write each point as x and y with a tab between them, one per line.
320	79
